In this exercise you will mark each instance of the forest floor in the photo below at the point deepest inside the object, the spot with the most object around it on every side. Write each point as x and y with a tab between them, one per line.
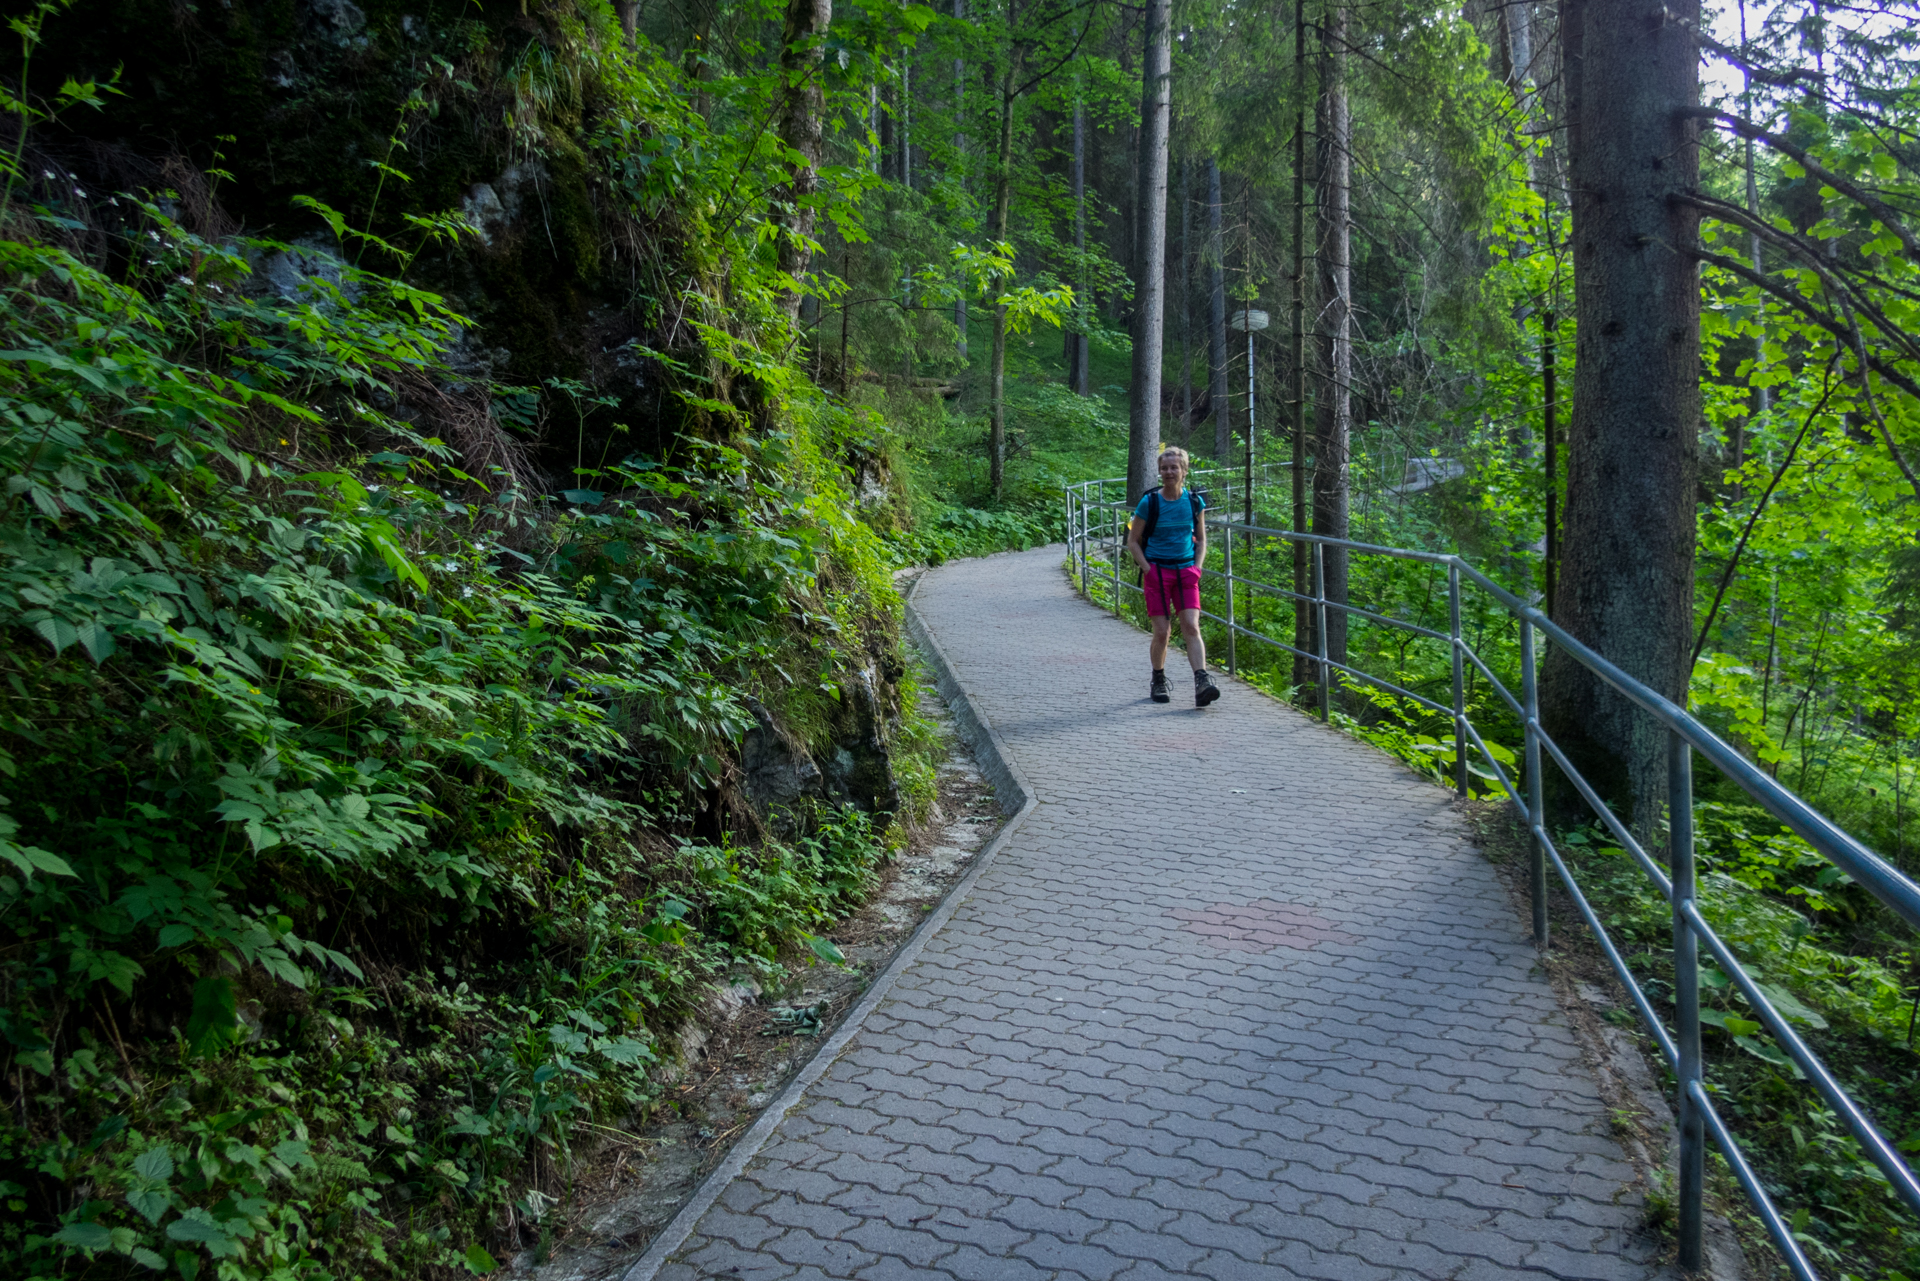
745	1045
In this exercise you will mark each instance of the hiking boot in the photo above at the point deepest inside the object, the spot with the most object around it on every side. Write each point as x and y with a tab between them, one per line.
1204	690
1160	693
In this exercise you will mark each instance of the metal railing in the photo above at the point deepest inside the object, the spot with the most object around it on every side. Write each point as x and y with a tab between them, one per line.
1096	524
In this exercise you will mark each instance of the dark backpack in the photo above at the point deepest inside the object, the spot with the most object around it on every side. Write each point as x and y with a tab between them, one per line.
1194	496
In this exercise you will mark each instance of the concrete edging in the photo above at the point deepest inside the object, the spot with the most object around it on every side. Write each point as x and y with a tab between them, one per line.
1015	794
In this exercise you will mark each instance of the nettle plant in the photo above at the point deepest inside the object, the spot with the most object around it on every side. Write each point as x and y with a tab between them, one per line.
328	919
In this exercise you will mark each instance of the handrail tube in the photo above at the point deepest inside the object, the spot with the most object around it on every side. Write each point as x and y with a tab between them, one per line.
1876	875
1459	683
1256	584
1882	1152
1750	1183
1690	1224
1536	795
1369	677
1607	816
1499	688
1513	792
1621	970
1401	623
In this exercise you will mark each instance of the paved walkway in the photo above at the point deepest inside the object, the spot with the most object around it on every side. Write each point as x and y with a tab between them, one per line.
1238	1000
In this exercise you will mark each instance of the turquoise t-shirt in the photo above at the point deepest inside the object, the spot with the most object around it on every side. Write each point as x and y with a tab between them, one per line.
1172	541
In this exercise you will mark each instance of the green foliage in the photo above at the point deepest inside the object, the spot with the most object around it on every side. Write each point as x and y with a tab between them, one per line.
1850	1008
337	906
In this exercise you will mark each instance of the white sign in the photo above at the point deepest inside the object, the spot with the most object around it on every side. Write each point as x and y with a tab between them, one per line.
1248	320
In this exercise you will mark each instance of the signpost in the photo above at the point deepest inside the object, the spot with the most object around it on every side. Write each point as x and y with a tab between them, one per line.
1251	321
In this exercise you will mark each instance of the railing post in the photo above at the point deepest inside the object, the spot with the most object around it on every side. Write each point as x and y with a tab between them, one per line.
1085	529
1117	537
1233	625
1320	624
1536	789
1686	999
1459	682
1080	535
1068	517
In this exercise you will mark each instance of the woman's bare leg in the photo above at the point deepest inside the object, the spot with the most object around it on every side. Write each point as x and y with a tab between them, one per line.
1196	644
1157	648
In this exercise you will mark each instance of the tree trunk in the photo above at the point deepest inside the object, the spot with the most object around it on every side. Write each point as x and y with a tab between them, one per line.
1150	249
1302	619
1184	396
1518	20
960	147
628	12
997	230
1080	378
802	129
1334	409
889	166
1626	573
1217	321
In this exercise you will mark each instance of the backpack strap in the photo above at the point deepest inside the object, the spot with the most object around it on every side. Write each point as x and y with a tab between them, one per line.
1153	518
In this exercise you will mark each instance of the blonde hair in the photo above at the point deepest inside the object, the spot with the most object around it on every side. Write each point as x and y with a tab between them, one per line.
1175	452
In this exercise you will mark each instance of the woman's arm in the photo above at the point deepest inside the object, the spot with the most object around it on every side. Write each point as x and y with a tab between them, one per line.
1133	545
1200	540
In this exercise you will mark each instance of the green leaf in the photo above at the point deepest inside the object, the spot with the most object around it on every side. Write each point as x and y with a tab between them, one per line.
84	1236
155	1163
105	1131
479	1261
214	1023
148	1259
150	1201
626	1050
197	1226
1790	1007
52	864
1768	1052
825	950
96	640
57	632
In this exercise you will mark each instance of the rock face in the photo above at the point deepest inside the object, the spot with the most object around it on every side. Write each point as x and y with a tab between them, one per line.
310	260
779	771
855	766
340	22
861	768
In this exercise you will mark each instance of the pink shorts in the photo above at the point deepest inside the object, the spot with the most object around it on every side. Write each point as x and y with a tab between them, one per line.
1180	587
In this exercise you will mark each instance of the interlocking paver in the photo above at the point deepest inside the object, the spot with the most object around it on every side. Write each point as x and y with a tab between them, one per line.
1238	1000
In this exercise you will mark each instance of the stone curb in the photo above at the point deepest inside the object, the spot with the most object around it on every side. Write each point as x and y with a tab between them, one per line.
1016	799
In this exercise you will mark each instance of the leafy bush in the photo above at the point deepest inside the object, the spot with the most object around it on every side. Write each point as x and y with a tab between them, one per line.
338	905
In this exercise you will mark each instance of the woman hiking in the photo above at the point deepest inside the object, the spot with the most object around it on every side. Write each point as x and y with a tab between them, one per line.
1168	539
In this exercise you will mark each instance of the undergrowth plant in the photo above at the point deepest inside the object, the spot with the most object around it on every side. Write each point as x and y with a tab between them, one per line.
359	823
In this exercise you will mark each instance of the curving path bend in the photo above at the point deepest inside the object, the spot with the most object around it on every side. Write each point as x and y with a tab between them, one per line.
1236	1000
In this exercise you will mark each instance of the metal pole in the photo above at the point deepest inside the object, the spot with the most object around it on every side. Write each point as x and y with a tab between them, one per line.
1078	532
1248	312
1459	683
1536	792
1320	624
1233	627
1686	999
1118	538
1080	538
